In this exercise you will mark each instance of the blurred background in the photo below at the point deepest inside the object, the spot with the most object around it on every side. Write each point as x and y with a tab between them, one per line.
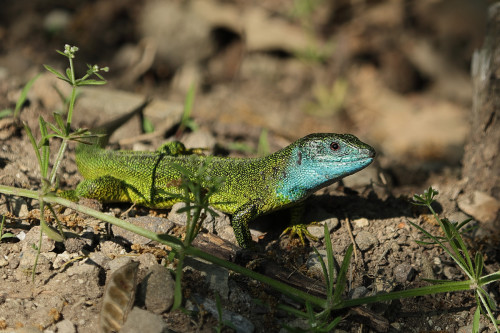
396	73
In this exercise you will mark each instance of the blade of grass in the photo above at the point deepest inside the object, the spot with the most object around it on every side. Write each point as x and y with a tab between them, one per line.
331	259
342	276
24	94
188	107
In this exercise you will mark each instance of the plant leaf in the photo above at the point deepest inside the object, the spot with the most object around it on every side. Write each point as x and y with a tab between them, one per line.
90	82
55	72
5	112
44	144
8	235
69	75
475	321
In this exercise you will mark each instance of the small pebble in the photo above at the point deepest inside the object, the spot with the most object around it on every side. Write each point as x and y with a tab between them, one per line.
358	292
74	245
365	240
313	261
139	320
404	273
361	223
65	326
3	262
158	289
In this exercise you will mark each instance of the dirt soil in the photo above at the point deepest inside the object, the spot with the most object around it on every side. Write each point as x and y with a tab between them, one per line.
394	73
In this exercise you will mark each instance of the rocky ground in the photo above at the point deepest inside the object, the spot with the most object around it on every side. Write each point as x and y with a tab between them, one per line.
395	73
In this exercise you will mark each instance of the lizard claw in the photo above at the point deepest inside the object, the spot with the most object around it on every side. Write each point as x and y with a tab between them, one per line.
299	230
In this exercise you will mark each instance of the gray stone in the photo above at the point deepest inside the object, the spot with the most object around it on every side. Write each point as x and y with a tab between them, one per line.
318	230
28	257
404	273
14	260
314	264
156	224
146	260
219	225
65	326
83	270
481	206
320	217
117	263
188	32
99	259
3	262
216	276
358	292
75	245
361	223
227	233
61	259
157	289
199	139
366	240
143	321
33	237
111	249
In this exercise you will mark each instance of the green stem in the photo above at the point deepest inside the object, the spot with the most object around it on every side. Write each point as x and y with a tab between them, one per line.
73	81
1	227
178	281
39	248
57	162
71	107
488	310
427	290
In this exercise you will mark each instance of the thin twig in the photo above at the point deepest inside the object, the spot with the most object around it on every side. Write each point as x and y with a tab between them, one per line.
349	230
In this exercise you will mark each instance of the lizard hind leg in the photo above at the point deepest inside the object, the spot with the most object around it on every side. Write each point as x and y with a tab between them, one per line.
105	189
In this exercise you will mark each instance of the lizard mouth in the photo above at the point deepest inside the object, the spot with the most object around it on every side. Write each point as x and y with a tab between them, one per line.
367	153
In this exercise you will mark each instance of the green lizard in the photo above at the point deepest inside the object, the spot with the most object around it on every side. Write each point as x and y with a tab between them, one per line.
252	186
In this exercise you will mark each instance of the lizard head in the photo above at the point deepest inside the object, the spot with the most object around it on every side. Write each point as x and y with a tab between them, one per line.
319	160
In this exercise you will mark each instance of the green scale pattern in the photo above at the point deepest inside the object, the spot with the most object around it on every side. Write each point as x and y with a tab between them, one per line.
252	186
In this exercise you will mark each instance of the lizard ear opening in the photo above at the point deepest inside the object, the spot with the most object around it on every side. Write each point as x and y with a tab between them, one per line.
299	157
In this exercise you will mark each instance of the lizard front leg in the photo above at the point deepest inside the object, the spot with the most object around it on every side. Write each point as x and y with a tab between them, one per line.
177	148
241	217
296	226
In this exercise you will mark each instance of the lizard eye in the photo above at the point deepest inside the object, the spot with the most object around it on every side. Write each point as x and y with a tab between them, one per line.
334	146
